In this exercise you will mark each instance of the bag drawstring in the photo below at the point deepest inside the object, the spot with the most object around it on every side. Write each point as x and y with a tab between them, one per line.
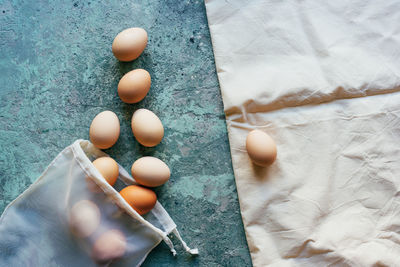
193	251
168	241
170	244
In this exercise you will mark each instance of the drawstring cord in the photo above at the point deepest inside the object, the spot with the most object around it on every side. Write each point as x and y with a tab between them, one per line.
168	241
170	244
193	251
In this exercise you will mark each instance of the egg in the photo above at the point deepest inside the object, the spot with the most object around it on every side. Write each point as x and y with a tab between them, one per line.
108	168
129	44
139	198
147	127
261	148
150	171
84	218
111	245
92	186
104	130
134	86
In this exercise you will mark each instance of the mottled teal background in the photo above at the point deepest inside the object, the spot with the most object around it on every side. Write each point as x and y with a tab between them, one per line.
57	72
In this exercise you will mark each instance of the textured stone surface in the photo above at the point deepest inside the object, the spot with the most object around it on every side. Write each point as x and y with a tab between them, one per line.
57	72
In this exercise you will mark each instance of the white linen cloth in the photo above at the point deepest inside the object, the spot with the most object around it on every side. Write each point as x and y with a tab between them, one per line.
322	78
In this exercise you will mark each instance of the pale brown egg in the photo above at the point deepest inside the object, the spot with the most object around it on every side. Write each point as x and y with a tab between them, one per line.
147	127
139	198
92	186
261	148
104	130
129	44
111	245
150	171
108	168
134	86
84	218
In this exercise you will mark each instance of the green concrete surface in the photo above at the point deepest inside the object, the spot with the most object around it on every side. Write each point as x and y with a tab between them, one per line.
57	72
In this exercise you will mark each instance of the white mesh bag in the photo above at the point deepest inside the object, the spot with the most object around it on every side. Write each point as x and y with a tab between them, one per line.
39	228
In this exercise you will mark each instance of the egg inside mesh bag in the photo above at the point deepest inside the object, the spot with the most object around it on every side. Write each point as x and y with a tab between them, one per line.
71	216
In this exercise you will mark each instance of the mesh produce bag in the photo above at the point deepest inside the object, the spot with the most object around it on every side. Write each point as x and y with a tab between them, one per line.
71	216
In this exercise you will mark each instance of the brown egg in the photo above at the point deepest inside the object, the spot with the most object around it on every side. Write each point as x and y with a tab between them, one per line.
134	86
139	198
84	218
104	130
108	169
147	127
129	44
92	186
261	148
150	171
111	245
